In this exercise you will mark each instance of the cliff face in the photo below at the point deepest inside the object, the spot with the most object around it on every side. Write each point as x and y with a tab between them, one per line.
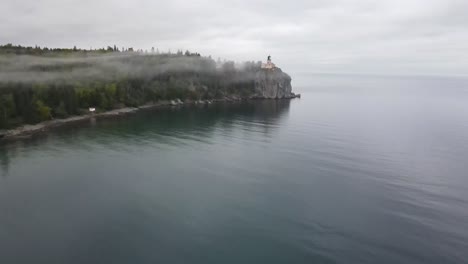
273	84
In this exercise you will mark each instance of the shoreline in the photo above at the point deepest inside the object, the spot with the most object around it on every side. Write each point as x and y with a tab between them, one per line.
28	131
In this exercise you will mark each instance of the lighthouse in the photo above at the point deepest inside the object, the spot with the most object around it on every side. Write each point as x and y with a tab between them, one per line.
268	65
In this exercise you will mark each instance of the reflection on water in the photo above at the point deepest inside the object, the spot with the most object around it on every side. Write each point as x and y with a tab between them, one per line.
357	171
163	125
4	161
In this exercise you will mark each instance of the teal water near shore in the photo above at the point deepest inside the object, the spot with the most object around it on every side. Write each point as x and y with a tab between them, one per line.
360	170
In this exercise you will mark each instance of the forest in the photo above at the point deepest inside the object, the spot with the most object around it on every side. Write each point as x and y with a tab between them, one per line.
39	84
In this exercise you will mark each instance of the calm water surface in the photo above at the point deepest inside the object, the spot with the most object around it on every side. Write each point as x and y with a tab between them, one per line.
360	170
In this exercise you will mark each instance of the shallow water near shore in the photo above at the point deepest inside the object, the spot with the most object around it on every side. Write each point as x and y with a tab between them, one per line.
359	170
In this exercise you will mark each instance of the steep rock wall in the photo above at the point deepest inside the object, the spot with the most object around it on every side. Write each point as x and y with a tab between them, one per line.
273	84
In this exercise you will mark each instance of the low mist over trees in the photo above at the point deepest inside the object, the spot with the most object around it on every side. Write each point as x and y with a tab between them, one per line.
38	84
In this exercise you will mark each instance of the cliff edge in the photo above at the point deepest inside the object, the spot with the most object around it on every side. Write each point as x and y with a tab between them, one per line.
273	83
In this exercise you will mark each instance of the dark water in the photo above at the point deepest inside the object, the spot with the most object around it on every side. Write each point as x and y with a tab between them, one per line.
360	170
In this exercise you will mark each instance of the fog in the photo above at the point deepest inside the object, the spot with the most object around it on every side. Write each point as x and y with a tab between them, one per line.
85	67
410	37
25	68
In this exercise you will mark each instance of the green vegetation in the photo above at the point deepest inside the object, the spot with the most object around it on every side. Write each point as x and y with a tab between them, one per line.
38	84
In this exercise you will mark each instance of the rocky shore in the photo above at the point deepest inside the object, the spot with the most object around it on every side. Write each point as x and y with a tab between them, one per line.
27	131
271	83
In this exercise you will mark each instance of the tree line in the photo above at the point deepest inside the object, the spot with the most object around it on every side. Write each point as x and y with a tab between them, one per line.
121	81
38	50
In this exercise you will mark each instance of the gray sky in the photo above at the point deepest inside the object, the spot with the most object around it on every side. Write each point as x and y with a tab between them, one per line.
428	37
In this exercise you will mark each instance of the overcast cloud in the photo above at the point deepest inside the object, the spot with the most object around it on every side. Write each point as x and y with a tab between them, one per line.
428	37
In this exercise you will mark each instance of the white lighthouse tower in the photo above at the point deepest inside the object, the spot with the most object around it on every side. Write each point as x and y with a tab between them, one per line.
269	65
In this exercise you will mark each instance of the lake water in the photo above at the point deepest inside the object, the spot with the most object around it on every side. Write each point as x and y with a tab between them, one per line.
360	170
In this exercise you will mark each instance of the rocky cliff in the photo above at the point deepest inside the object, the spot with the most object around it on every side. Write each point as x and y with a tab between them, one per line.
273	84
